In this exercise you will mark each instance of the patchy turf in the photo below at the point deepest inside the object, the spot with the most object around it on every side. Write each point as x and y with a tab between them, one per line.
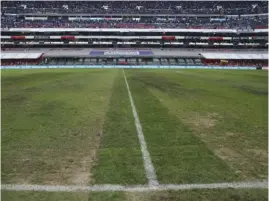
120	159
51	124
43	196
200	127
188	195
76	127
201	195
177	154
63	196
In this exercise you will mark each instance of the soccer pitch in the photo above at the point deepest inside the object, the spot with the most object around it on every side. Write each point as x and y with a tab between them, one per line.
134	134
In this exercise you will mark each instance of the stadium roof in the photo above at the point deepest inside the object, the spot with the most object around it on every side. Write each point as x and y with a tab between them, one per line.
234	56
16	55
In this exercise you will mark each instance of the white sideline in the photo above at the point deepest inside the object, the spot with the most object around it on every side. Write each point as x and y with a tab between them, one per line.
150	172
137	188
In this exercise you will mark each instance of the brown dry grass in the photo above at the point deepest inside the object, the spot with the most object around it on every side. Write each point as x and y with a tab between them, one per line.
81	175
198	121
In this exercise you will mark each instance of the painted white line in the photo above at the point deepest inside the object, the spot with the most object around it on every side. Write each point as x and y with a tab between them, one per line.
150	172
138	188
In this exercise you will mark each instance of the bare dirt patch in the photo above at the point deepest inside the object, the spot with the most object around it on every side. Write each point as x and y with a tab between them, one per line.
248	162
244	162
230	134
74	170
259	152
133	196
81	173
203	121
227	154
19	180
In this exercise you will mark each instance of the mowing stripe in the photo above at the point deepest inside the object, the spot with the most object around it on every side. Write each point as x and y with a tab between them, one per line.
150	172
138	188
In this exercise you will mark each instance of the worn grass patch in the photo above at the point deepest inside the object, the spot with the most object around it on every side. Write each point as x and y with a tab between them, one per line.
51	124
200	127
43	196
187	195
231	121
178	155
202	195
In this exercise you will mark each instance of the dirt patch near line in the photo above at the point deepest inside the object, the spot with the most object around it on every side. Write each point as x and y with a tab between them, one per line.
81	175
132	196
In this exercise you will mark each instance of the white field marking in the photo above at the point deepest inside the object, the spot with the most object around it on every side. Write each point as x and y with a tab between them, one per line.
137	188
150	172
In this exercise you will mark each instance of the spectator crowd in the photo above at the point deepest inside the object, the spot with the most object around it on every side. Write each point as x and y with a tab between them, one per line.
242	62
136	7
18	62
249	22
14	12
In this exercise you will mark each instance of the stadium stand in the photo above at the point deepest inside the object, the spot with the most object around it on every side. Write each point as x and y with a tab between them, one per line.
183	26
136	7
244	22
228	59
12	59
172	59
136	14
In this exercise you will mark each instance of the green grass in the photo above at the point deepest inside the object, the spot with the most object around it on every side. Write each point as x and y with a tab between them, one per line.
43	196
51	121
76	127
120	159
203	126
202	195
187	195
62	196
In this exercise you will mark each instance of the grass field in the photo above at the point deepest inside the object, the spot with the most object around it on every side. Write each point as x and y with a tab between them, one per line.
76	127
